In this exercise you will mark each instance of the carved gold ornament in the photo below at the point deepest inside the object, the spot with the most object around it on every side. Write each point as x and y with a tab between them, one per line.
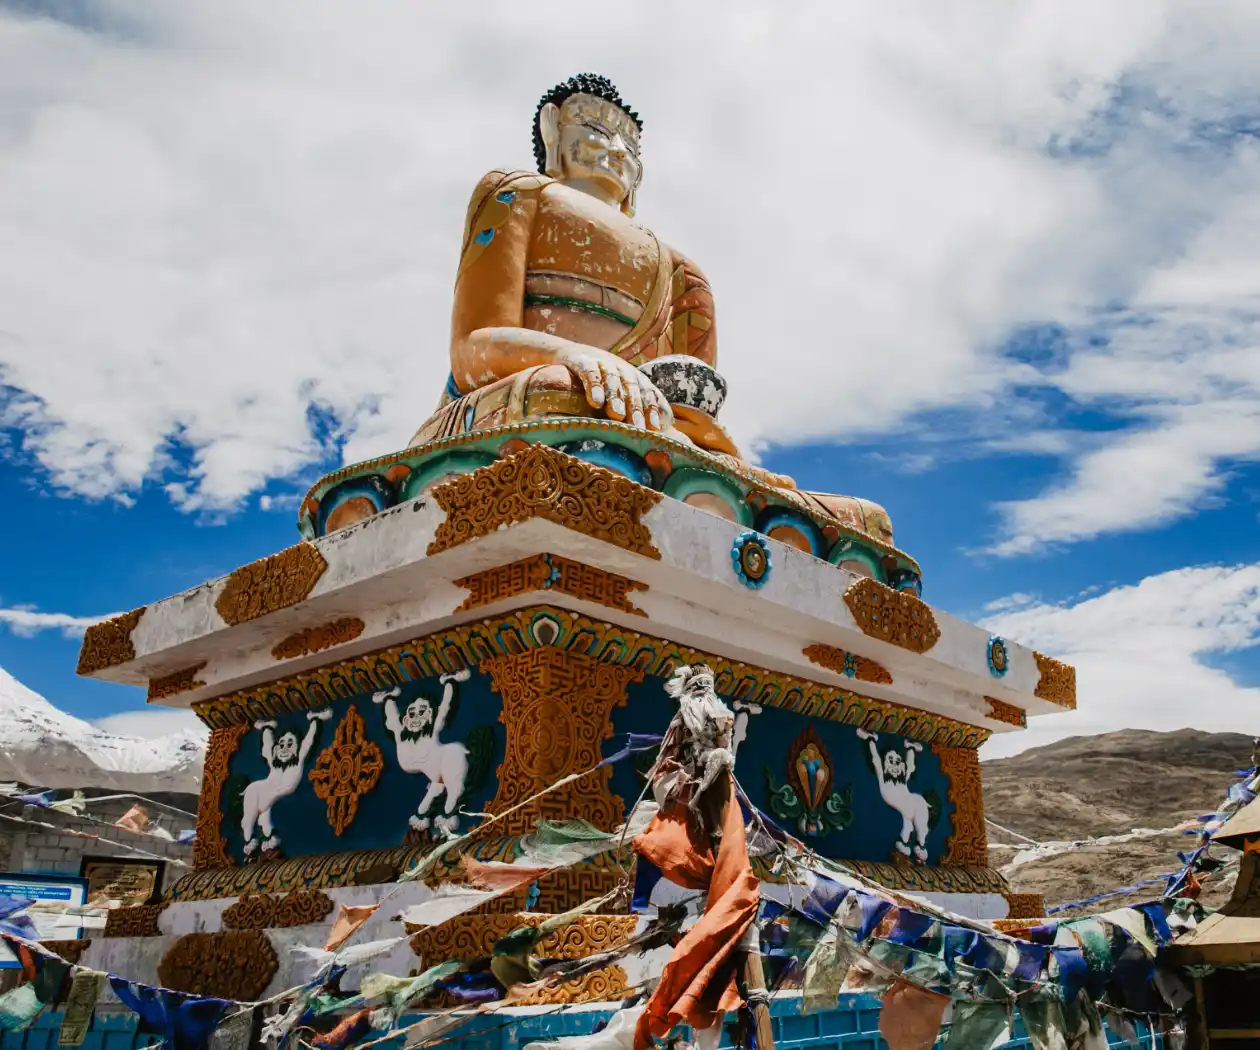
209	848
1057	682
550	572
557	708
108	643
473	936
230	964
1001	711
345	770
1025	905
317	639
545	626
271	583
892	616
968	842
849	664
264	910
137	920
175	683
540	482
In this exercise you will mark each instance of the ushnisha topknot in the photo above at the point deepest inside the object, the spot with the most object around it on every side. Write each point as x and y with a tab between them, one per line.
582	84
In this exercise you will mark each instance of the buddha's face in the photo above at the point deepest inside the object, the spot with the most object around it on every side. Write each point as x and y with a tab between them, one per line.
595	145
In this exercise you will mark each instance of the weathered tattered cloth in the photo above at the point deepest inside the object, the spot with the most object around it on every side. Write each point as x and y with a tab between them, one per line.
698	984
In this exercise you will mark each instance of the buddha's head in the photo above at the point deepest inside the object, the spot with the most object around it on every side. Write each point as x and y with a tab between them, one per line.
586	136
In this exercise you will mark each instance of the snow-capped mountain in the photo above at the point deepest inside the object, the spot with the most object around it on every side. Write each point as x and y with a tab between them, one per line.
42	745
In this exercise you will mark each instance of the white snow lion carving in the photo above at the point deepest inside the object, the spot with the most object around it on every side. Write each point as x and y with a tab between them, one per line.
418	734
894	773
285	759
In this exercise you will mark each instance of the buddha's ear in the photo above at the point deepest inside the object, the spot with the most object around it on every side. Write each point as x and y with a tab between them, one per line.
549	128
628	205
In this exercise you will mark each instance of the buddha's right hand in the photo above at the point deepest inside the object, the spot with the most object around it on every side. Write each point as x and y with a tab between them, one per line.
616	386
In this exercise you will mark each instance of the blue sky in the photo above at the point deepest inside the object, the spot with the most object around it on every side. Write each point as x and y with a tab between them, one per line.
997	272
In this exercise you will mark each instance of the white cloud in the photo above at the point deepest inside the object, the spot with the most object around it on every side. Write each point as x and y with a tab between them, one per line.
217	217
27	622
151	723
1138	652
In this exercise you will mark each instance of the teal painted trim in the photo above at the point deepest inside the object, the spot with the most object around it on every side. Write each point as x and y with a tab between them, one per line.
431	469
533	299
690	481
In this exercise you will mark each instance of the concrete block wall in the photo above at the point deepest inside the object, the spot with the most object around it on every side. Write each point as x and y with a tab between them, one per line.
56	852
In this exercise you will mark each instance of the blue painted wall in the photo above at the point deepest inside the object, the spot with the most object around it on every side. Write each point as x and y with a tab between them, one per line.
762	766
848	820
301	819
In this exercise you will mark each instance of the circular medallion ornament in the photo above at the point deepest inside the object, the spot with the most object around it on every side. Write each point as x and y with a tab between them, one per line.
750	557
998	657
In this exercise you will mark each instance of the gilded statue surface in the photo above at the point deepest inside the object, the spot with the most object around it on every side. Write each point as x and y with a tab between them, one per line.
566	306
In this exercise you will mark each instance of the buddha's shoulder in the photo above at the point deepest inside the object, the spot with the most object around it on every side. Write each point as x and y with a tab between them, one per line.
507	180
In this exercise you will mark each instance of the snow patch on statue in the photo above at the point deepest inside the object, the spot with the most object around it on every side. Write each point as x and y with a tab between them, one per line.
452	768
286	760
918	813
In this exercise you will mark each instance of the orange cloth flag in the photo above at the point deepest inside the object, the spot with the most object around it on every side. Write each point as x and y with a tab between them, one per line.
135	819
910	1018
698	985
349	919
499	877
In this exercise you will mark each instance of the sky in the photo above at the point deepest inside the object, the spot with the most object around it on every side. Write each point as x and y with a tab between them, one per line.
994	266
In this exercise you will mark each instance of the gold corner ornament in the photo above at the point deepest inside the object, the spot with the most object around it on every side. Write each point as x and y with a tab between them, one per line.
346	770
317	639
1001	711
554	573
848	664
1057	682
108	643
539	482
271	583
897	617
181	681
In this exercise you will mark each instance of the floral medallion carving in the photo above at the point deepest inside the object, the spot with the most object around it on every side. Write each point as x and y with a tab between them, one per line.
137	920
317	639
892	616
209	847
550	572
968	842
345	770
1057	682
848	664
108	643
1001	711
229	964
540	482
264	910
175	683
557	707
271	583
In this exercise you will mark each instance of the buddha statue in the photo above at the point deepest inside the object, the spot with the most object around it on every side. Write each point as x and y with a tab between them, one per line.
565	306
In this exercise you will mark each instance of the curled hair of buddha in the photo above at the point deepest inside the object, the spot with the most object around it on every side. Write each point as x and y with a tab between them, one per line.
582	84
